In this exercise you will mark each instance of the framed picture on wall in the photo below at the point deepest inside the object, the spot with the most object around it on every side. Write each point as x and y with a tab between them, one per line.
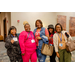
62	20
72	26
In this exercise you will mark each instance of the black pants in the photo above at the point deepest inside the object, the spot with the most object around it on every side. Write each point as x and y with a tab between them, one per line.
52	58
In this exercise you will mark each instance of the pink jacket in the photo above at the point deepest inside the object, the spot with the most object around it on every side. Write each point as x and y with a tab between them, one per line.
26	44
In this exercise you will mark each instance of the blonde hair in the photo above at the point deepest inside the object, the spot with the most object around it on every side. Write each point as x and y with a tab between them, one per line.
25	22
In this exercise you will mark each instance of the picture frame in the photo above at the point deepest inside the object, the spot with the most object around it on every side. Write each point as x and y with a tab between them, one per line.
62	20
72	26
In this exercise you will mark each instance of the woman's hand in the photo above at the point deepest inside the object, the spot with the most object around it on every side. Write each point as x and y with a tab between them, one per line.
39	38
23	54
12	41
57	54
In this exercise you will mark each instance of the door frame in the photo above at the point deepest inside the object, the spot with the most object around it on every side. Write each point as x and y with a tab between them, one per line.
5	28
0	28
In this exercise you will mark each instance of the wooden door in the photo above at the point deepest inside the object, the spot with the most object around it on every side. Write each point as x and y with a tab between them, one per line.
0	29
5	29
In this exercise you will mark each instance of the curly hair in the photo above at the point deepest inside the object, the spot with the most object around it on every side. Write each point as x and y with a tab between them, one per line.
39	22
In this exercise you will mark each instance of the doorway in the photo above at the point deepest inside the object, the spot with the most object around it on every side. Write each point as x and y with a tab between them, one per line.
0	29
5	29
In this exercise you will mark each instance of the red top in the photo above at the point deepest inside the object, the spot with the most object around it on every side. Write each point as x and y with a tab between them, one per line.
51	38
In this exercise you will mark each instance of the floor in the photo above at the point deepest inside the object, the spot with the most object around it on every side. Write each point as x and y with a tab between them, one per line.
3	54
5	58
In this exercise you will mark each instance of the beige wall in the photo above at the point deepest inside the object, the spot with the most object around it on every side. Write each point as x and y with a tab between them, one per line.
8	15
4	15
46	17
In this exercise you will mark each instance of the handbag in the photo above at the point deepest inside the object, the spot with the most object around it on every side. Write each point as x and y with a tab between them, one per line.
47	49
70	45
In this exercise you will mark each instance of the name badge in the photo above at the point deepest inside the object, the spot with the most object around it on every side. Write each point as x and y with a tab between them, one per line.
32	40
60	44
50	44
15	39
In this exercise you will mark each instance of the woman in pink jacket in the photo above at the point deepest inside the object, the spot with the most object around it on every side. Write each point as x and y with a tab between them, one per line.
27	44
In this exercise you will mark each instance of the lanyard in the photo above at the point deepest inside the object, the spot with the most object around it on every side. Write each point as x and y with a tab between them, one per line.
60	37
28	35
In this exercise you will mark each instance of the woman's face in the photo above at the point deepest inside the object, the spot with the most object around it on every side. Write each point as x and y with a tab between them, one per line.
58	28
13	31
50	30
27	28
38	24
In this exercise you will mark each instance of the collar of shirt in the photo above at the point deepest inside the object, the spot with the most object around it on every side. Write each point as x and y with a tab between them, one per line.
12	35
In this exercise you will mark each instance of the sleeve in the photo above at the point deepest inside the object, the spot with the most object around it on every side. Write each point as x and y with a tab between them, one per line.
55	43
46	32
21	42
70	38
16	43
8	43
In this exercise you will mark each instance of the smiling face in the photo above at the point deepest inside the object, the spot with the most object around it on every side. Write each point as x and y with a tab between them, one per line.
13	32
50	30
58	28
38	24
27	28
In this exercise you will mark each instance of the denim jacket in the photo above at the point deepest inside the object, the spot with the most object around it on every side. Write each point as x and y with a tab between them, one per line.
43	40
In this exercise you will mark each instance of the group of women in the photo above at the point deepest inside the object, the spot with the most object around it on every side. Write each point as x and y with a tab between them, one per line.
27	47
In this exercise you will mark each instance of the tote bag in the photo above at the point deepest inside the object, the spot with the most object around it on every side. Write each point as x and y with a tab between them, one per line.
47	49
70	45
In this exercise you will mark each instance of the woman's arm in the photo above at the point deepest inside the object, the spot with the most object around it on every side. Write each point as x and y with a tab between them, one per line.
15	43
55	40
47	36
21	42
8	42
47	33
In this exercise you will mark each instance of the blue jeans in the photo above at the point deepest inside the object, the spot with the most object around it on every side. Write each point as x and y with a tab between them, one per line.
41	57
